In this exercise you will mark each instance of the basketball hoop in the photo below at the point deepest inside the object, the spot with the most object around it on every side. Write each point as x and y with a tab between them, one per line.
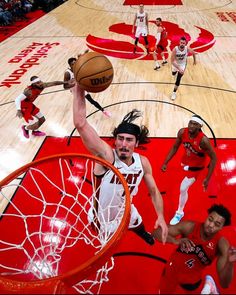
47	244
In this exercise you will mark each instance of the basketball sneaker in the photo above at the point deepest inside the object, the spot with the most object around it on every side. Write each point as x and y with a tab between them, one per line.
38	133
209	286
108	114
173	96
164	62
25	131
157	68
176	219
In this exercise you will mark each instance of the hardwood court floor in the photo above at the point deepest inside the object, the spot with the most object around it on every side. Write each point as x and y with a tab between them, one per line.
208	89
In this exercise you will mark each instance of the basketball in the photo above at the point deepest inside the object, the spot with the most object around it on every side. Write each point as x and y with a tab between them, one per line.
93	71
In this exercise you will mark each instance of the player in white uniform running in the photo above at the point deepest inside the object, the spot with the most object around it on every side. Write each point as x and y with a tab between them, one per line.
133	166
179	62
141	21
69	75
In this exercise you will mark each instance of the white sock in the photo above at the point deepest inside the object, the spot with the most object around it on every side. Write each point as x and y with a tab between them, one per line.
183	197
206	289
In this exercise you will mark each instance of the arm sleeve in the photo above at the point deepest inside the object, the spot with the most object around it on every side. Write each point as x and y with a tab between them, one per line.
18	100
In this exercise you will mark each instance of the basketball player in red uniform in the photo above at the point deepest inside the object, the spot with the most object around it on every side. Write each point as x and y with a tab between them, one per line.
197	148
26	108
69	75
161	43
198	244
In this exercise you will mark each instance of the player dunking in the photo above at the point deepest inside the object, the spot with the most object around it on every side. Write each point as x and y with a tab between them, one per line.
161	43
179	62
26	108
133	166
69	75
197	148
198	244
141	20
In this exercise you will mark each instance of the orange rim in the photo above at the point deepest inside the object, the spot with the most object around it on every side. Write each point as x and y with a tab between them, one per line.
91	265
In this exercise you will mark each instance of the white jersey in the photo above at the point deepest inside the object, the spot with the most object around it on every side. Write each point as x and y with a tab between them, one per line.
111	192
133	175
181	55
72	76
141	20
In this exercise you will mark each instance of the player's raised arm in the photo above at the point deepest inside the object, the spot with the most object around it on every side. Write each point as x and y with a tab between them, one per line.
89	136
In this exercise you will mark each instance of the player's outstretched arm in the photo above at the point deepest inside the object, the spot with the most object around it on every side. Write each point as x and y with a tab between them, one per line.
156	197
183	229
225	262
89	136
206	146
69	84
173	150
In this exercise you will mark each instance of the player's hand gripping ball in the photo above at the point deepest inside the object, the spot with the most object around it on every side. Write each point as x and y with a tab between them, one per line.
93	71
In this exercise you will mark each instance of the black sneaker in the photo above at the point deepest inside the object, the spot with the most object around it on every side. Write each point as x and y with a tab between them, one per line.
164	62
147	237
157	68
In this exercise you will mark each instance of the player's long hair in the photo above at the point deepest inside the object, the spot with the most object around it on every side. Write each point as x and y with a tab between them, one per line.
141	132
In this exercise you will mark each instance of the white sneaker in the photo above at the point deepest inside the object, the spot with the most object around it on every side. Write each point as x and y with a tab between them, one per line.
209	286
106	113
173	96
176	219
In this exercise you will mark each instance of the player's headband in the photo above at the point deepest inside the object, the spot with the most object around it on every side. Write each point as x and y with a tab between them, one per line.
35	80
129	128
196	119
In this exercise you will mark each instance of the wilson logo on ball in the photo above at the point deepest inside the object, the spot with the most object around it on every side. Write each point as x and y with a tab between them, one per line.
102	80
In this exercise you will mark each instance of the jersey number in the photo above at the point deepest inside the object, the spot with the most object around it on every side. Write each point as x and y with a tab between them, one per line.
190	263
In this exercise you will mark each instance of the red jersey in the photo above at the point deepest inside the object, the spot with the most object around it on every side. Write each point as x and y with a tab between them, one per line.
194	156
34	93
163	33
29	110
188	266
163	40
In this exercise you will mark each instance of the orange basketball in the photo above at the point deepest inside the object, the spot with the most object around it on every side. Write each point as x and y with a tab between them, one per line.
93	71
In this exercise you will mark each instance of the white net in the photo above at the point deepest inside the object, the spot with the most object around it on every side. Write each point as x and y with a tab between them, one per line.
46	230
